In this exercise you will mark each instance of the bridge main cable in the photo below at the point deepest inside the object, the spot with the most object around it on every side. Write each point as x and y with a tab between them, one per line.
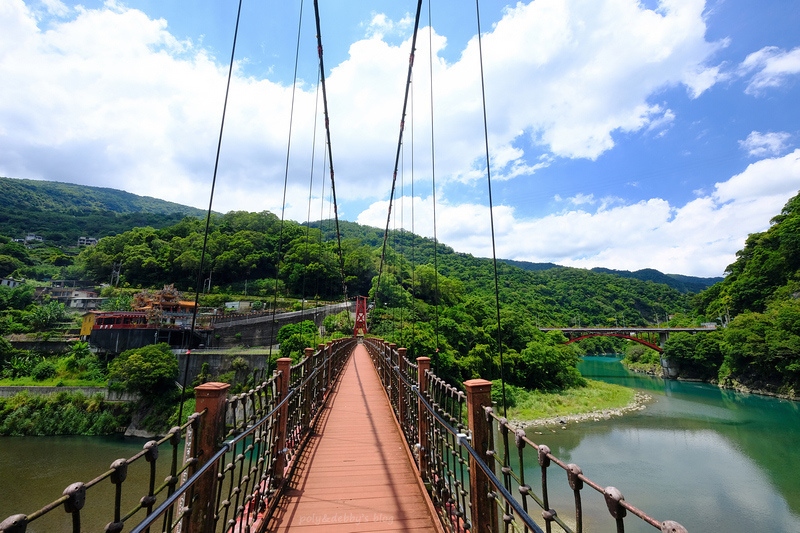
330	150
399	143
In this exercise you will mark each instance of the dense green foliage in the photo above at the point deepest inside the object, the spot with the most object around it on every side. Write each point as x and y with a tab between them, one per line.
62	212
676	281
60	414
78	366
447	313
150	370
295	338
758	303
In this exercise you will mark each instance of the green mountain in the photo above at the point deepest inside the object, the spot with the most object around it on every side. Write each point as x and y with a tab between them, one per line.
533	267
22	194
676	281
62	212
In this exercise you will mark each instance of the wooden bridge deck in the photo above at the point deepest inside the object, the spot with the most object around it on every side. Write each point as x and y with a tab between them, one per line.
356	473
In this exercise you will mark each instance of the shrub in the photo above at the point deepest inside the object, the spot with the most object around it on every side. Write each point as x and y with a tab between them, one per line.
147	370
43	370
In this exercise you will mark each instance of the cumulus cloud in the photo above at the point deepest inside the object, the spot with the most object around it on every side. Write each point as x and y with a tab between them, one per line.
56	7
770	67
109	96
760	144
699	238
380	25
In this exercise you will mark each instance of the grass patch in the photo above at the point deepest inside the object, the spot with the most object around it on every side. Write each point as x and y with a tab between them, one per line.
29	381
60	414
595	396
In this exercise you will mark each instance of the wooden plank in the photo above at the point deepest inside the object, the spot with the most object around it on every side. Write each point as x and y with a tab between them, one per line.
355	474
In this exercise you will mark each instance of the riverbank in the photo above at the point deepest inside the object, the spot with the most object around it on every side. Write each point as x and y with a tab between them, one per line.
727	383
639	402
596	401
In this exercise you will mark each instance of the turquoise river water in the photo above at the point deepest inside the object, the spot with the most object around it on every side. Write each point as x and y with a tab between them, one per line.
710	459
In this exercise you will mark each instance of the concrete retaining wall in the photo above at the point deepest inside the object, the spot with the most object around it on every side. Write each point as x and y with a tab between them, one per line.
258	330
112	396
219	363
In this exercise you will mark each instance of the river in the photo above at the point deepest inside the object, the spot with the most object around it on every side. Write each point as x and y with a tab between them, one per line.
710	459
34	471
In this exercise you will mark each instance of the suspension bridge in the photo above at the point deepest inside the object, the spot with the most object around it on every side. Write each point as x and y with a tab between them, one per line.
354	437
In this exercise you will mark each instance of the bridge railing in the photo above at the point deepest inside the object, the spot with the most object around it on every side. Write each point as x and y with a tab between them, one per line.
238	453
76	495
474	461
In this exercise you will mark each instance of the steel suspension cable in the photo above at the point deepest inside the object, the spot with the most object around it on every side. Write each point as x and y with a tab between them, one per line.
413	235
285	187
433	184
330	149
208	214
399	146
491	210
308	214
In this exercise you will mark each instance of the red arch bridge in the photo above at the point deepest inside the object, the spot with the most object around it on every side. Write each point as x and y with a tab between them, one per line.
651	337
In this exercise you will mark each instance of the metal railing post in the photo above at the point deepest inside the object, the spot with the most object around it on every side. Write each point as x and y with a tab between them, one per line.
307	360
484	511
319	381
423	365
384	363
401	386
285	369
210	397
330	366
390	372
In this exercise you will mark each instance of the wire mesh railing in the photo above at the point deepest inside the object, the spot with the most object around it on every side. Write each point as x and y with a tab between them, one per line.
75	496
238	454
473	462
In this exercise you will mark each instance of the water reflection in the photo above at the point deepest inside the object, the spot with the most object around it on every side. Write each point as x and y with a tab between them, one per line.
35	470
710	459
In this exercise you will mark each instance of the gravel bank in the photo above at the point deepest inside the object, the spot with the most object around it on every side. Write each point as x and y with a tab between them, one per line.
640	401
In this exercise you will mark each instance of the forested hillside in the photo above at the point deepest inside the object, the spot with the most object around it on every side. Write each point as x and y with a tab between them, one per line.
759	302
676	281
62	212
446	313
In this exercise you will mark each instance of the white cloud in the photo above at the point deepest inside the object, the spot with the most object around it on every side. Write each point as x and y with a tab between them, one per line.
699	238
109	96
380	25
56	7
760	144
773	67
762	181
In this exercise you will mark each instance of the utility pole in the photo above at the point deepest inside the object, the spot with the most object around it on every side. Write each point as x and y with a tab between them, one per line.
207	280
116	268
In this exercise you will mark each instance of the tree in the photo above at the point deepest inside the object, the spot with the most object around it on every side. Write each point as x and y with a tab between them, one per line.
46	316
548	363
295	338
8	265
121	302
148	370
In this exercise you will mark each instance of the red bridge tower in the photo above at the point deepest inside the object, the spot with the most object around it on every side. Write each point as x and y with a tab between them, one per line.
361	315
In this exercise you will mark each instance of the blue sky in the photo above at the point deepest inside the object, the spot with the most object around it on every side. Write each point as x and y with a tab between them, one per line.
623	134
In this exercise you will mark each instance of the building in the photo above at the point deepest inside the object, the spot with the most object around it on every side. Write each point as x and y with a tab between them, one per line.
86	241
158	316
11	283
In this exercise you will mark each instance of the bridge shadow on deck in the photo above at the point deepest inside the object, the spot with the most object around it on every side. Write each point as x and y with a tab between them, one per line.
356	473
